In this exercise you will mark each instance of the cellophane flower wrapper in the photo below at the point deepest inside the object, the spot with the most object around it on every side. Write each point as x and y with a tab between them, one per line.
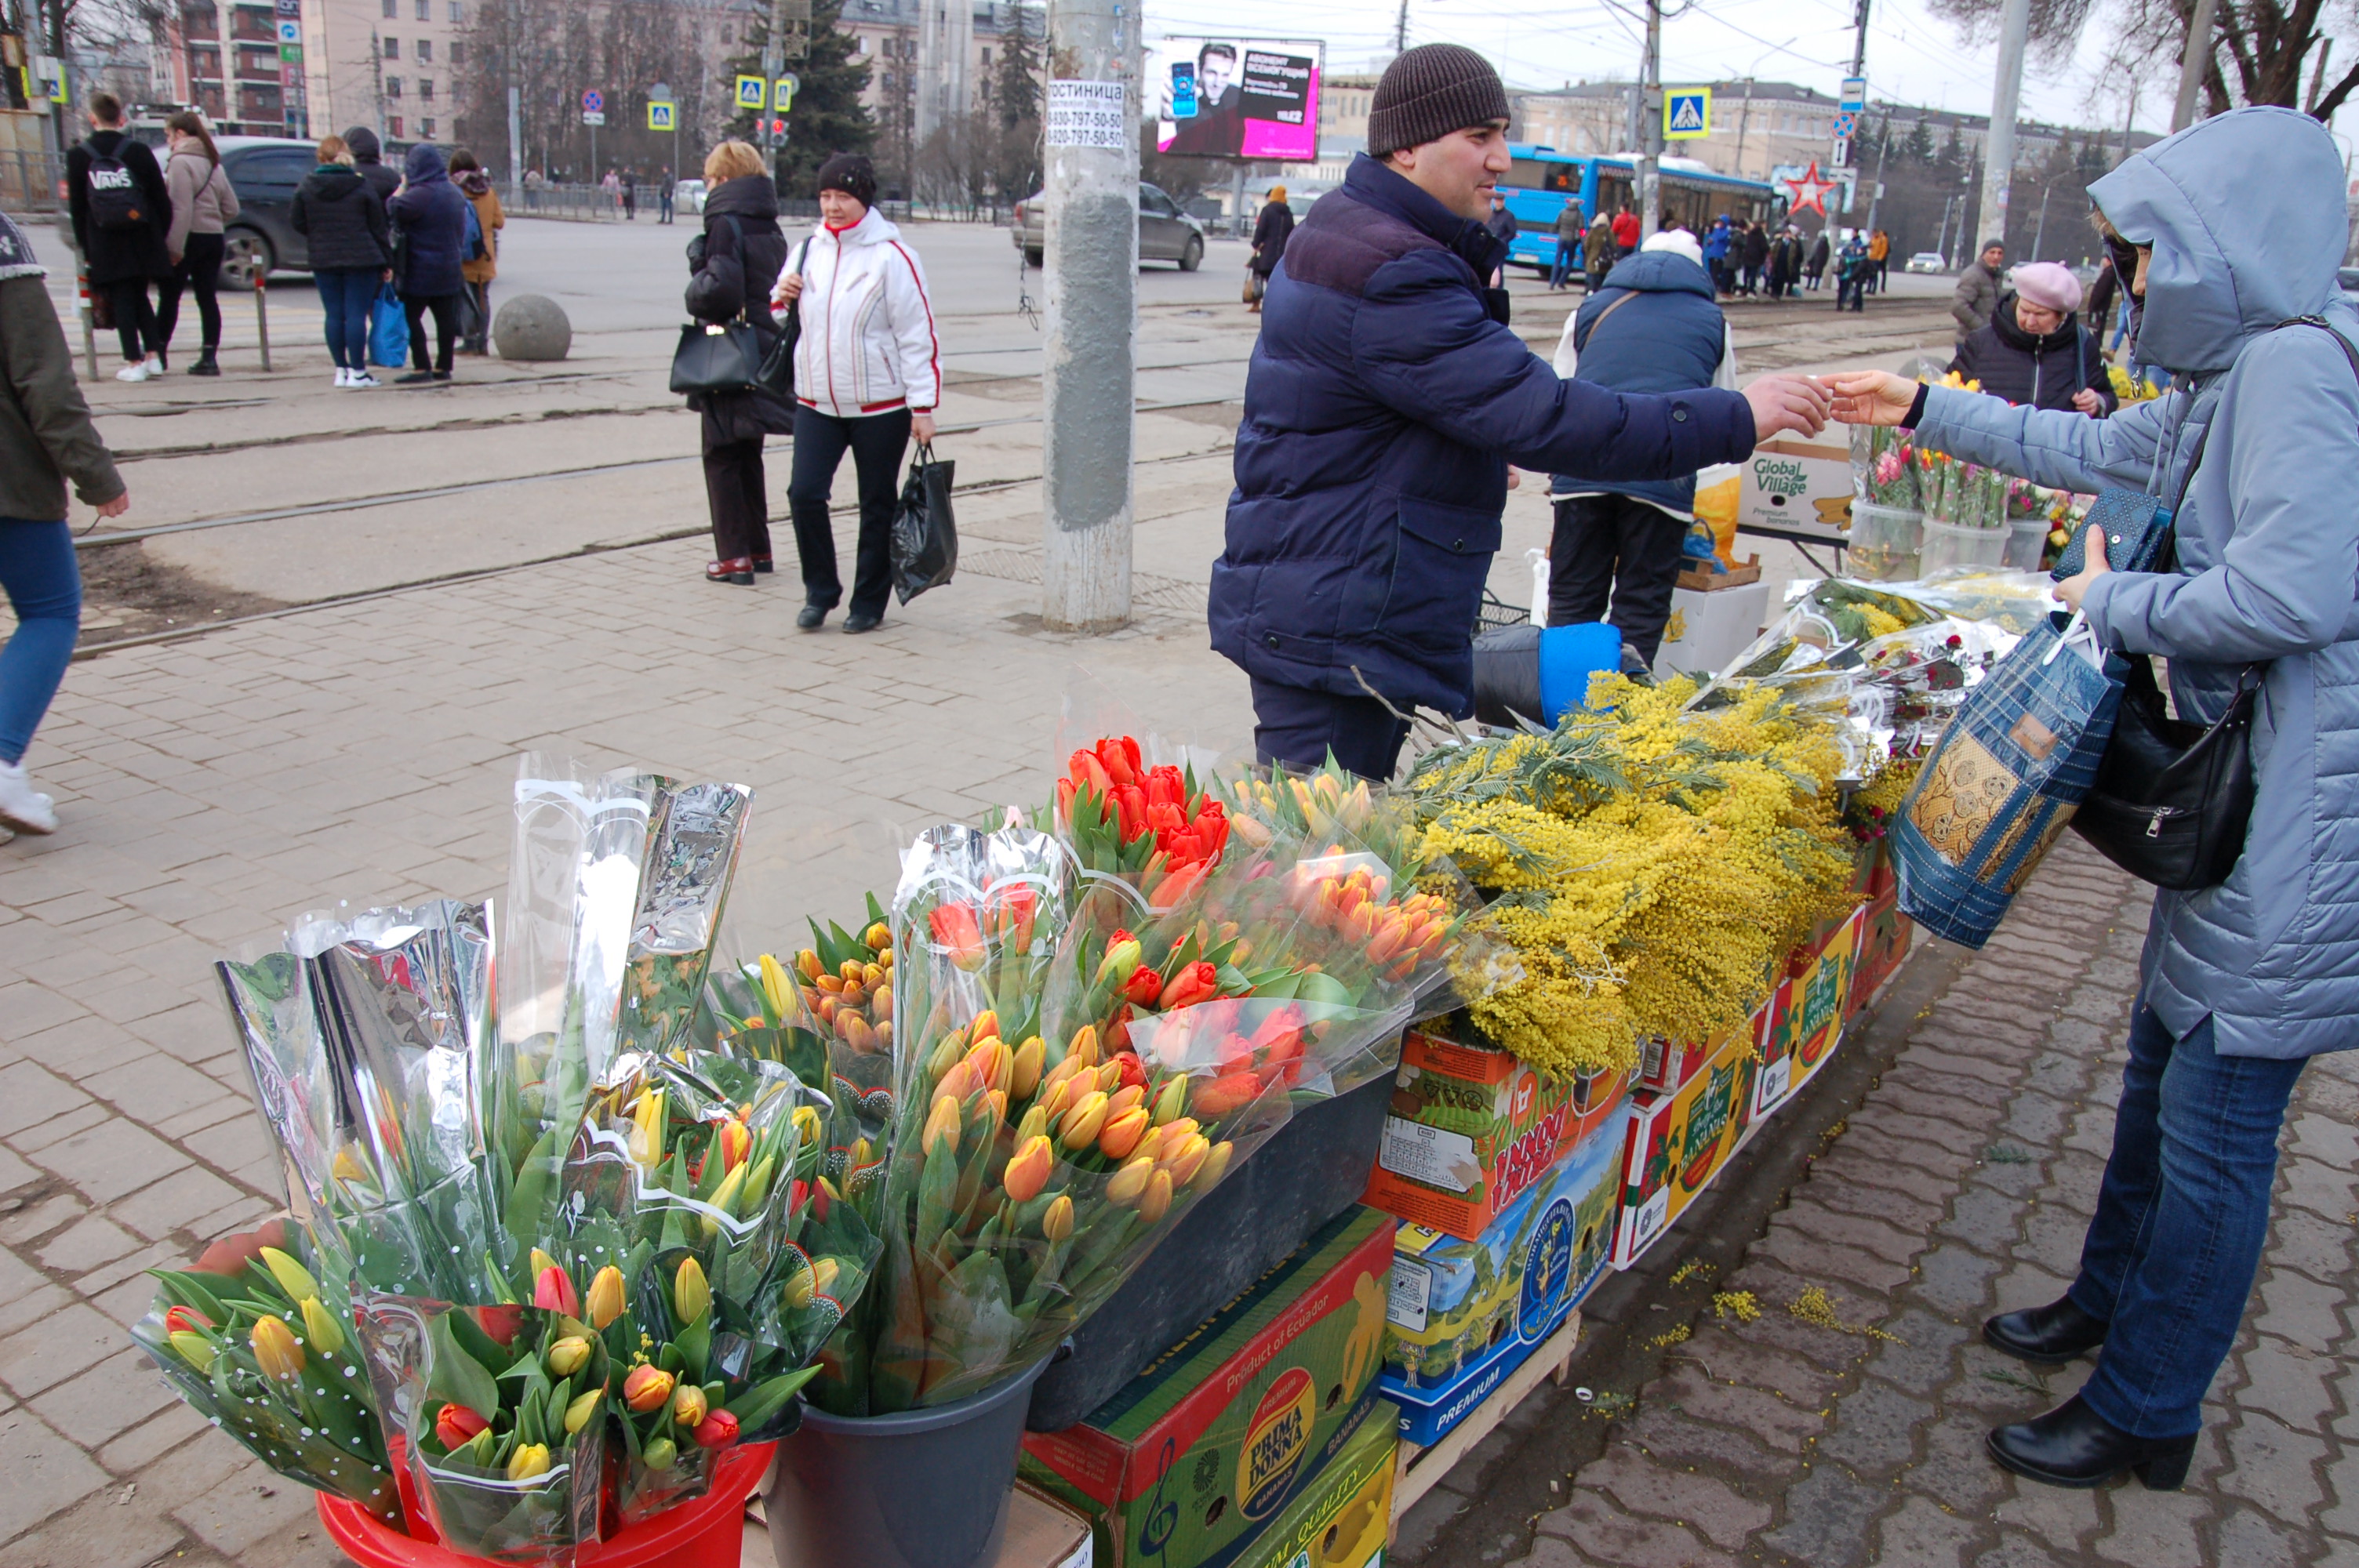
718	1160
428	1357
1883	466
1151	825
311	1416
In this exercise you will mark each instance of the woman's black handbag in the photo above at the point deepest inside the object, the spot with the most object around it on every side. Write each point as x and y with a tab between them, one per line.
777	373
717	356
2172	799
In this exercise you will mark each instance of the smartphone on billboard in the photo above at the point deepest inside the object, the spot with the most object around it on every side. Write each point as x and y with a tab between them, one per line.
1183	90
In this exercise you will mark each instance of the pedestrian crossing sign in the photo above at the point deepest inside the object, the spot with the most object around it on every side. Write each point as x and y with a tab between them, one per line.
659	115
1686	112
752	93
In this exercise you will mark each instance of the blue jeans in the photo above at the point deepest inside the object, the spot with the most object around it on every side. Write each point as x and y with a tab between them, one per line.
1567	257
346	293
44	588
2181	1218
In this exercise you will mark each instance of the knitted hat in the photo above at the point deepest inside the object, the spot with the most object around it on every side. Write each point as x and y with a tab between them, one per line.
1679	242
852	173
2049	285
1429	91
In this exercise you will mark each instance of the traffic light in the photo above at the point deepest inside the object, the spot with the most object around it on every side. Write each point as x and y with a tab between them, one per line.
779	128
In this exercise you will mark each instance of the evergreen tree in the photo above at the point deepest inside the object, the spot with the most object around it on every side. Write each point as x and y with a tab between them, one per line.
1919	148
828	116
1951	162
1017	89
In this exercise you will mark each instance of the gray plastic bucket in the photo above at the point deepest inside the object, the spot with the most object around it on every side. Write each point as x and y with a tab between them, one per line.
925	1488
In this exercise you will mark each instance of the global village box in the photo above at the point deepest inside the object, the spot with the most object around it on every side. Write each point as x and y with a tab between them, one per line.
1678	1142
1187	1464
1465	1314
1343	1520
1804	1022
1471	1127
1804	486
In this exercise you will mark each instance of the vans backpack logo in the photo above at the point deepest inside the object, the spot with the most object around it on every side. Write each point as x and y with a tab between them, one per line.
115	200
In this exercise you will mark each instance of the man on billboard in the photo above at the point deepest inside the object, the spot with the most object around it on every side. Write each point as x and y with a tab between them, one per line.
1217	127
1386	399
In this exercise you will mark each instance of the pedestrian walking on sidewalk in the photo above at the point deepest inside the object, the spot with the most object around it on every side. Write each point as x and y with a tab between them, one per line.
1977	293
739	250
1657	328
1570	228
1716	240
1851	275
630	197
1625	234
664	193
2240	984
867	377
1386	400
202	204
1271	226
1879	256
350	252
1757	255
46	440
121	209
482	262
1814	270
430	217
1601	251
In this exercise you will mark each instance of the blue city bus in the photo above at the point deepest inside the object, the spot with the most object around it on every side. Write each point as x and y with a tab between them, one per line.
1541	180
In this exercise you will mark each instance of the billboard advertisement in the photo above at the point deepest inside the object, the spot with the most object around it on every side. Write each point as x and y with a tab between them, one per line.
1238	98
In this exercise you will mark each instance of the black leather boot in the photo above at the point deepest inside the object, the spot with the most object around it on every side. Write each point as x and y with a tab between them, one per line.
2046	1336
206	364
2072	1445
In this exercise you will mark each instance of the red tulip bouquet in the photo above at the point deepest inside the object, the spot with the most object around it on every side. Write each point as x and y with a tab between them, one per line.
1151	828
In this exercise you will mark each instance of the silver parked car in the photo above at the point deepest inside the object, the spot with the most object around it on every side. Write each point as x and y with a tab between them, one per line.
1927	261
688	196
1164	233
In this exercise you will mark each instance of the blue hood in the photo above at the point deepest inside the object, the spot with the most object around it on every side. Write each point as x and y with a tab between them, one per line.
2233	255
1660	272
425	165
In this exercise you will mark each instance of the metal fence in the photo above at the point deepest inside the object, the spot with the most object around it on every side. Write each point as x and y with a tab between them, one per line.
29	181
595	204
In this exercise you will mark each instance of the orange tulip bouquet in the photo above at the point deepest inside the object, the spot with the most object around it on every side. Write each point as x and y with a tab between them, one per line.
550	1256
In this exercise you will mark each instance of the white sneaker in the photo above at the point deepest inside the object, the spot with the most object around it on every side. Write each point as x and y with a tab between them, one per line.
22	807
154	365
363	378
343	376
134	373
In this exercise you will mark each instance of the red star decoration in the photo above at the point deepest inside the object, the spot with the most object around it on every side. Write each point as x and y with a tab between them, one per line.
1811	190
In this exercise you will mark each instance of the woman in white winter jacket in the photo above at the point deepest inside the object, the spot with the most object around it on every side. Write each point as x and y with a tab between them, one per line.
867	374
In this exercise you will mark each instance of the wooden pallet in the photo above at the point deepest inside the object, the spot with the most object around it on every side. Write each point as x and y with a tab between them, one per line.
1419	1470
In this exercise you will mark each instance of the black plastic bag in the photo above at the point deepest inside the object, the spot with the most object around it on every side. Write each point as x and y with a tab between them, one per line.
925	538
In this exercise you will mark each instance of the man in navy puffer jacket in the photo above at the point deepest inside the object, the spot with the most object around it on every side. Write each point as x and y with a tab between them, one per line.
1386	399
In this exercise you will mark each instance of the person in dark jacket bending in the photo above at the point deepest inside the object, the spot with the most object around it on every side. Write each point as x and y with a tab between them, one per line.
734	260
1271	227
351	244
1386	399
2034	351
1655	327
122	243
432	218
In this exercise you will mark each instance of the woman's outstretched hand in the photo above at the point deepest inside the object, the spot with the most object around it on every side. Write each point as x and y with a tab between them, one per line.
2073	589
1871	396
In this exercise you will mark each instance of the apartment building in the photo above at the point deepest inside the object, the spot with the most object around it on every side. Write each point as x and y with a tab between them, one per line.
965	38
230	58
1343	104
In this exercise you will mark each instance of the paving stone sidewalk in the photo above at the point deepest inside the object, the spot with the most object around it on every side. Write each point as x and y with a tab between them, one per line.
1959	1188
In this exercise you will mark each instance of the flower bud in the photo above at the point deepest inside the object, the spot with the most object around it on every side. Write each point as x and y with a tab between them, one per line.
1129	1182
194	1348
185	1320
1121	961
878	937
321	1329
578	1412
688	1405
1084	1048
292	1277
691	1296
1215	1165
1171	1100
274	1349
456	1425
568	1355
1035	1124
1079	1127
552	1290
1056	1220
1156	1201
1183	1157
605	1299
1121	1133
1109	1074
807	965
1122	1099
986	1024
736	1142
1029	1168
648	1388
718	1430
660	1454
530	1460
942	1135
1025	1070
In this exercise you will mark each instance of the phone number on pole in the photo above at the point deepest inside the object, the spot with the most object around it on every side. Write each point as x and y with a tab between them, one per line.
1088	115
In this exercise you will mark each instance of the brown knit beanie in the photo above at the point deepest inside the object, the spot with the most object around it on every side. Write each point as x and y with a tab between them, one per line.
1429	91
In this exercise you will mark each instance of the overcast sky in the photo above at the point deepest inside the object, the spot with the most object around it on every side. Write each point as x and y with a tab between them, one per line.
1911	56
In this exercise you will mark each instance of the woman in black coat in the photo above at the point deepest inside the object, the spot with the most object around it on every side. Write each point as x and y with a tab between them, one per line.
735	260
2034	351
432	219
351	253
1270	231
121	246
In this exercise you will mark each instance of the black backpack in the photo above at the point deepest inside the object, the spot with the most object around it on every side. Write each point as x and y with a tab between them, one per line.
116	201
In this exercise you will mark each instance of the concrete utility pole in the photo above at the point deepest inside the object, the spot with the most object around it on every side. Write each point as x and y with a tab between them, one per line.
1846	145
1091	135
1998	162
516	146
1650	160
774	60
2194	63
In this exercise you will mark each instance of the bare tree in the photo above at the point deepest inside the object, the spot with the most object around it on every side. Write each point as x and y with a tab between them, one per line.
2257	53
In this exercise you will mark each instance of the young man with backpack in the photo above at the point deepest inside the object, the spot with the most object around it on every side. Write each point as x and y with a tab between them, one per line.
121	210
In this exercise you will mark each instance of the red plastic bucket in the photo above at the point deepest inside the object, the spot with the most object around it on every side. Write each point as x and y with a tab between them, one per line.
707	1533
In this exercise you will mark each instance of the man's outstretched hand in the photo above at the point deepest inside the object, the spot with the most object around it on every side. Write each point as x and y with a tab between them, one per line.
1782	402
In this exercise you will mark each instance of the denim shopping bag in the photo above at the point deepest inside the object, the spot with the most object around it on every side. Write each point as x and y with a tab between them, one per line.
2003	780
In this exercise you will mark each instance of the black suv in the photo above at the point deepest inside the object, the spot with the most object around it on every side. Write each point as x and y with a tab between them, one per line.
263	171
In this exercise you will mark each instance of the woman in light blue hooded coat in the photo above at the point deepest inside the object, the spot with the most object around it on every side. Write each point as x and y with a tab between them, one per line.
2238	225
